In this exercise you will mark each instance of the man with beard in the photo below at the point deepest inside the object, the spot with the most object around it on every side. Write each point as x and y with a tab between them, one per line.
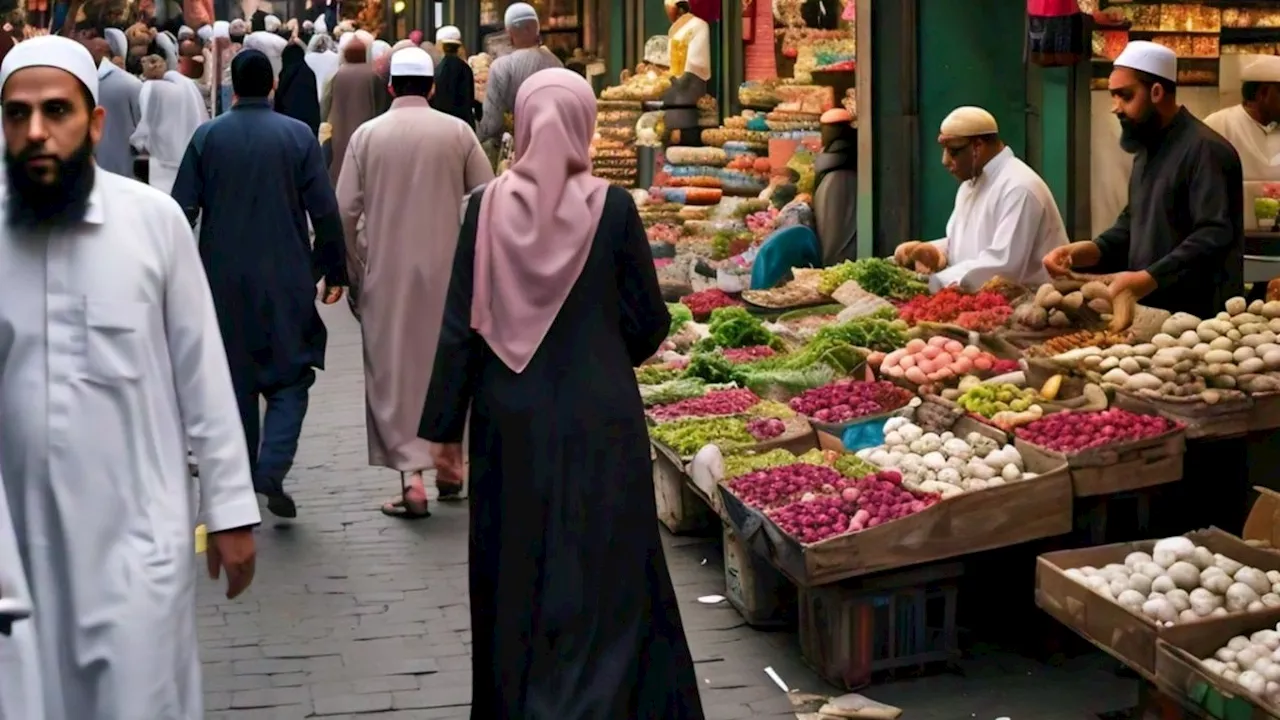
260	262
1004	219
110	364
1179	243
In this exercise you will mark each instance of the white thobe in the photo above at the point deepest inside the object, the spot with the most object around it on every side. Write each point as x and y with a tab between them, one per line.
1003	224
111	363
20	696
171	110
269	44
1258	147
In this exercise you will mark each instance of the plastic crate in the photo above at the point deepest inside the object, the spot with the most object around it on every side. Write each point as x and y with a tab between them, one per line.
761	595
850	631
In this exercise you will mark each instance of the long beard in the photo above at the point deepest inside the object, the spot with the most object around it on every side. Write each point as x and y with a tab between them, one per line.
34	205
1137	134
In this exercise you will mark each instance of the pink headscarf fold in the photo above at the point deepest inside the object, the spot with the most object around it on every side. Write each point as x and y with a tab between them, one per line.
537	220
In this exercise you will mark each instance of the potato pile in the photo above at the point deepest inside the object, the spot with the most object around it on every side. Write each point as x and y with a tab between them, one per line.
1182	582
1064	304
1238	349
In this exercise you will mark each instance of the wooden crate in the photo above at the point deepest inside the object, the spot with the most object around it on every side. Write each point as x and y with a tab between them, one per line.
1128	636
1179	673
1126	466
680	509
1229	417
849	632
761	595
1265	412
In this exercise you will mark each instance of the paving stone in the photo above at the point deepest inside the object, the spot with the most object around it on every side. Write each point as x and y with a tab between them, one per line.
270	697
341	704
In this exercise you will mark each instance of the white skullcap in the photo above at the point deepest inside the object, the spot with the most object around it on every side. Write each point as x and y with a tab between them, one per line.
411	62
519	12
1262	68
967	121
321	25
185	32
237	26
52	51
221	29
271	23
1149	58
117	40
449	33
205	33
307	25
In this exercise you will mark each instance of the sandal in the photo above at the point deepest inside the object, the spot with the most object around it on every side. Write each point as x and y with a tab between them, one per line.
402	508
449	492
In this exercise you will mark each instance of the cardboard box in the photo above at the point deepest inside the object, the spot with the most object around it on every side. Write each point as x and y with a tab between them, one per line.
975	521
1262	528
1127	635
1179	672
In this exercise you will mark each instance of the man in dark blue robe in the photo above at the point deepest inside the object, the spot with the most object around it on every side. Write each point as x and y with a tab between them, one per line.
251	178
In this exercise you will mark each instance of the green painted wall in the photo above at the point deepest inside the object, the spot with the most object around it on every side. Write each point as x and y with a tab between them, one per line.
616	61
1054	108
970	53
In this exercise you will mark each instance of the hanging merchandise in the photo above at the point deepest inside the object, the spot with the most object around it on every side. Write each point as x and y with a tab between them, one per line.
1056	33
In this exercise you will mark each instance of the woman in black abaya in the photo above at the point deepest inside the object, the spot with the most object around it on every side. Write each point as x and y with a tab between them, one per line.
296	93
553	301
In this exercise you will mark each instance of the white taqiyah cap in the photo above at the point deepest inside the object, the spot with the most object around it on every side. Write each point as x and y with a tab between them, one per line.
271	23
205	33
1261	68
1150	58
221	29
411	62
52	51
519	12
449	33
967	121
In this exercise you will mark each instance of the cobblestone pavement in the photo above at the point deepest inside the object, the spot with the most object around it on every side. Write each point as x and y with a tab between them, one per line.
353	614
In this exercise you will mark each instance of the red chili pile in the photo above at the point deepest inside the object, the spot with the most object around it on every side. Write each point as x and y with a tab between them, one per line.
766	428
1070	432
748	354
846	400
983	312
703	302
716	402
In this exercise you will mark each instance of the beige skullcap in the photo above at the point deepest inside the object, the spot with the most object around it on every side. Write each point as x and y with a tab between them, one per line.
967	122
1261	68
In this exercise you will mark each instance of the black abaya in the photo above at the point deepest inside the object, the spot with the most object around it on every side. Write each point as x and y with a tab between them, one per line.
296	94
573	615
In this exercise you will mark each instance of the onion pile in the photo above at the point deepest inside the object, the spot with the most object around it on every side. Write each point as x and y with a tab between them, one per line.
847	400
1071	432
713	404
1251	662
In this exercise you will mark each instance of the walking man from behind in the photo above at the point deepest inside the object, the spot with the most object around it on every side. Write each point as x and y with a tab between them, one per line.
110	367
509	72
405	173
252	177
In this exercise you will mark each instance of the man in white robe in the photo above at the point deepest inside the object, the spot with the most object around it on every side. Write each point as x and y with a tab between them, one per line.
172	108
1253	128
111	364
1004	220
269	43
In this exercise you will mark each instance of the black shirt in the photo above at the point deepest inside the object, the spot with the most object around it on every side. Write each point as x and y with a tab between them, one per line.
1184	223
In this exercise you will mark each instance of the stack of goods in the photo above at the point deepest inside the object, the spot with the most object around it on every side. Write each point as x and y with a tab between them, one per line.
759	94
944	464
1251	18
613	149
746	172
480	69
818	51
708	112
740	130
1237	351
645	85
1074	432
1062	305
691	176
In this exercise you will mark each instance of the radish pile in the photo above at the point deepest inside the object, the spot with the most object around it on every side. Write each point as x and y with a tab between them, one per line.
939	360
713	404
748	354
860	504
983	312
1071	432
702	303
846	400
776	486
766	428
945	464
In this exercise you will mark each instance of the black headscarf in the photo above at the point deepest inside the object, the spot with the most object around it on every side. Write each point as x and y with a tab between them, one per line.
296	94
839	150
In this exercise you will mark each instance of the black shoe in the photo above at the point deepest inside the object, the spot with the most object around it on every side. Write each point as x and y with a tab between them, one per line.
281	505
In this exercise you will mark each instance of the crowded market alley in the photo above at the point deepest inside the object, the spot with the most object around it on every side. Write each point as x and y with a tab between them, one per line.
356	615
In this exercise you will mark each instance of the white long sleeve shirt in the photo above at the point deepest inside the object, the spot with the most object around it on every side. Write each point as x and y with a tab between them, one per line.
1258	147
1004	222
111	365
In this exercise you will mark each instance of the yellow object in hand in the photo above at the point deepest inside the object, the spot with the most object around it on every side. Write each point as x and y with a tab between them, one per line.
202	539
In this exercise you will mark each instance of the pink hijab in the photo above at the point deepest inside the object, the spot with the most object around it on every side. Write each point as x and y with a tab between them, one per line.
537	220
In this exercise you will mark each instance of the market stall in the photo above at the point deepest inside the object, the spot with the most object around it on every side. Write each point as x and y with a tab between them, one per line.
858	439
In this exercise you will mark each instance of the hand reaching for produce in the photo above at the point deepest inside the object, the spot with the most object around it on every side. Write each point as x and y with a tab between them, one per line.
905	252
1139	282
1060	261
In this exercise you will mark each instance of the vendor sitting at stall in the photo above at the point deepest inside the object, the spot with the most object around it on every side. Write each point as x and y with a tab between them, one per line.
1004	221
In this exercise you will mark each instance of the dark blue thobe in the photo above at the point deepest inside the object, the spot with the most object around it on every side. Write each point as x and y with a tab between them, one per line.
254	176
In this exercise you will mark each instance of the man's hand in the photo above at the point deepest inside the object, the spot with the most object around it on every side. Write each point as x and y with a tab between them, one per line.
1060	260
448	461
326	294
902	255
1139	282
233	551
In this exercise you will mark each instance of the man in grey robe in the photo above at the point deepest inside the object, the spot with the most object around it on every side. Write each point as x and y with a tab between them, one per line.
118	95
509	72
